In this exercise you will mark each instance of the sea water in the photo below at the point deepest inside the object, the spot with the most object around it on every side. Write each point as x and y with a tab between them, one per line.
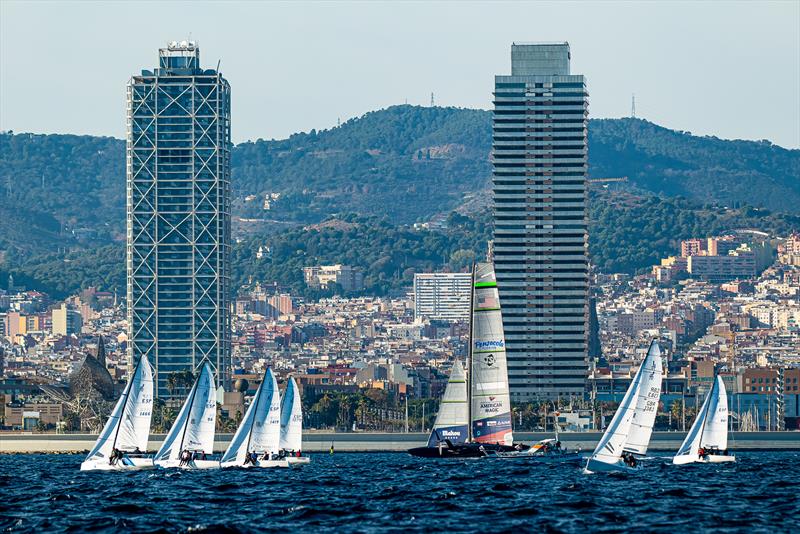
394	492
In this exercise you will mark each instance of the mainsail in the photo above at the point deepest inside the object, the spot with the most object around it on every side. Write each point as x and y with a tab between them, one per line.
648	395
710	427
128	427
266	432
254	419
453	417
291	438
195	425
491	405
632	424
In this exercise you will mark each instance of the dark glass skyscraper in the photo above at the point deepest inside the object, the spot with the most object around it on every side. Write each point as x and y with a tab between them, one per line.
540	239
179	231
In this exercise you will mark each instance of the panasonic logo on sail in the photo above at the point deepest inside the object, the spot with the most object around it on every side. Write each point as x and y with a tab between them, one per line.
491	344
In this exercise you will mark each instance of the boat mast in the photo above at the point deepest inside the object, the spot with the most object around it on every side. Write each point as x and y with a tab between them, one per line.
127	396
189	406
469	353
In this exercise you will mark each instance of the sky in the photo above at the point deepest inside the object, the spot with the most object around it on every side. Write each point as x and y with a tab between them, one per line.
730	69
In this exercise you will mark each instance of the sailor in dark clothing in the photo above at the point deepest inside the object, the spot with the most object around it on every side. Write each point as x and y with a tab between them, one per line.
629	459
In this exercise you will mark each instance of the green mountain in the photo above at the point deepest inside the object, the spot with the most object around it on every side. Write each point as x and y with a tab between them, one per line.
392	167
627	232
404	162
705	169
60	190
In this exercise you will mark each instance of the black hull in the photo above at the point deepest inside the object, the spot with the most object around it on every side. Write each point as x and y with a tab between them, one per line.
470	450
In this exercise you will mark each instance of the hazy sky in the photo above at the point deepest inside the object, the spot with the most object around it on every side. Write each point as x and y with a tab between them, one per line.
730	69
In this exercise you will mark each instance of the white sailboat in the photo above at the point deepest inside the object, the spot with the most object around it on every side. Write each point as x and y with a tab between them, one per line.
630	429
128	428
259	433
193	431
474	418
707	440
291	437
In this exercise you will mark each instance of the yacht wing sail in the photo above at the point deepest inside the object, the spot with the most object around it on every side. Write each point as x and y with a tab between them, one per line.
491	404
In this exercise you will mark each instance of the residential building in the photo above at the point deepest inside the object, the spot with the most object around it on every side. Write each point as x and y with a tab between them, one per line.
66	321
766	381
740	263
789	251
325	276
540	236
693	247
442	296
179	226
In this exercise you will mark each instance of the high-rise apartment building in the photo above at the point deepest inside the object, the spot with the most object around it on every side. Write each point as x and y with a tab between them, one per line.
443	296
66	321
179	230
540	237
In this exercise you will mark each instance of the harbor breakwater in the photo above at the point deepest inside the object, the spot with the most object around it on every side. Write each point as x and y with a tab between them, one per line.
388	442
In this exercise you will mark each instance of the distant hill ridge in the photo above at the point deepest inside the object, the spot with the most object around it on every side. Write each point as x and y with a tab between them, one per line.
405	163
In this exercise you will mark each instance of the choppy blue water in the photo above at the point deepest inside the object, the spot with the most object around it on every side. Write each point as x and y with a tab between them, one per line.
398	493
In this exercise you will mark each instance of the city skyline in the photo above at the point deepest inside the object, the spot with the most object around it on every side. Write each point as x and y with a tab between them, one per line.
431	282
413	51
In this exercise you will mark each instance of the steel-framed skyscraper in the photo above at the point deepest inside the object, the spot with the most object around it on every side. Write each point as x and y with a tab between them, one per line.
540	236
179	231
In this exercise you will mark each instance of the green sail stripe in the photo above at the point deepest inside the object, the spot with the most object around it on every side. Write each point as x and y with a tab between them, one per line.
486	309
487	351
485	284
